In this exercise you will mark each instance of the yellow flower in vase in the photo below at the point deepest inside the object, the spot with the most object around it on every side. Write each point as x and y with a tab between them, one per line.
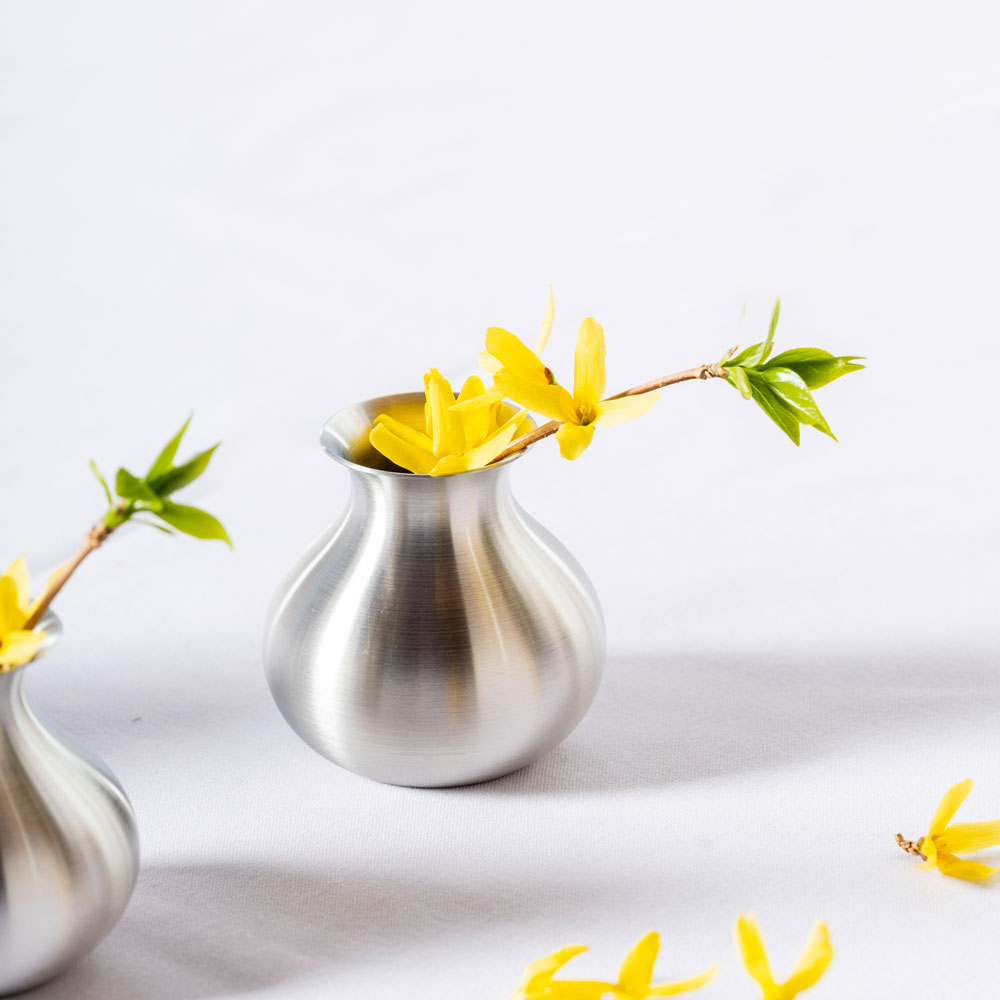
17	644
942	841
584	410
459	435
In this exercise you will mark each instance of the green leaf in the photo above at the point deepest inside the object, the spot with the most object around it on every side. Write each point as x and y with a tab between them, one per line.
172	480
815	367
774	406
743	358
130	488
738	377
100	478
770	333
165	460
796	397
152	524
192	521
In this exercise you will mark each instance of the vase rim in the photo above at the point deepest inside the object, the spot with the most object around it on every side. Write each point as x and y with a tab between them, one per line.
345	435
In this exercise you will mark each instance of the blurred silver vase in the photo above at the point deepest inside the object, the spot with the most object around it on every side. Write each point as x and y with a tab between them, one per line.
435	634
69	854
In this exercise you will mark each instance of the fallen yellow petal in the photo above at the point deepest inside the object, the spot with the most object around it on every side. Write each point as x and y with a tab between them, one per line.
949	804
637	969
684	985
971	871
962	837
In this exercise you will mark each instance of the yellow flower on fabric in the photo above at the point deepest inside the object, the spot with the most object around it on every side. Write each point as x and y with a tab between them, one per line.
17	644
538	983
939	847
505	350
584	410
814	961
635	980
459	435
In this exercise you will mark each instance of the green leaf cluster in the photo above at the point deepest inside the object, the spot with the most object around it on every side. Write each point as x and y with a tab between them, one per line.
782	386
152	494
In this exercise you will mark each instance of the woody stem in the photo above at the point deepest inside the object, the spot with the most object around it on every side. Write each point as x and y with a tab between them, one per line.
545	430
95	538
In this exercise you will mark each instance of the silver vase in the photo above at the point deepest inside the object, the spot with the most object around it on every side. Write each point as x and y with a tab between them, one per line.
69	854
435	634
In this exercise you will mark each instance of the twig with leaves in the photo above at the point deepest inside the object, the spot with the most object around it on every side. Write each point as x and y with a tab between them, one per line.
150	495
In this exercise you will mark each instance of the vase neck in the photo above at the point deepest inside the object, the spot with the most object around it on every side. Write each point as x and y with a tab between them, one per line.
11	698
453	502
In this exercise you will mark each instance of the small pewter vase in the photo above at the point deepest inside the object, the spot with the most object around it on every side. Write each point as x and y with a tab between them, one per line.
69	854
435	634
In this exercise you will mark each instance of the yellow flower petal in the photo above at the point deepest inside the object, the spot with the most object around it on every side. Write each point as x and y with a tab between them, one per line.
403	453
484	400
948	864
963	837
752	950
949	804
620	411
450	465
551	401
18	572
814	961
684	985
637	969
547	320
439	398
481	456
574	439
11	616
589	374
539	974
489	363
18	647
516	356
409	434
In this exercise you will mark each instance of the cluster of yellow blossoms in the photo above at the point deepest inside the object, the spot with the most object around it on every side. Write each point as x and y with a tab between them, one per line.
17	644
635	979
469	432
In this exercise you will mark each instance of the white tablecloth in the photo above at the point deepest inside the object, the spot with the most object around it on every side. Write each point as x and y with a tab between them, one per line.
265	211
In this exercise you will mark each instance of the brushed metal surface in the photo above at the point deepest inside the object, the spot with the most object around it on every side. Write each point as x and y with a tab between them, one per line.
435	634
69	852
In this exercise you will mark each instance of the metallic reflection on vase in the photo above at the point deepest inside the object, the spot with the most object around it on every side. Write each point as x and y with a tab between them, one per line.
69	853
435	634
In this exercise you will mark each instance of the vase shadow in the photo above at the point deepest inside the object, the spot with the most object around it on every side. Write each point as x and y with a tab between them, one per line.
203	930
663	720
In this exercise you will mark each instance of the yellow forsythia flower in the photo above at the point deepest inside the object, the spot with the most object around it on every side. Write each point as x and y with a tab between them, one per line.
458	435
504	350
813	963
634	980
17	645
584	410
636	975
538	983
942	841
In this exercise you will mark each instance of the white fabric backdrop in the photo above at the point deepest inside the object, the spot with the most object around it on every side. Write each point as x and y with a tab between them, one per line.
266	211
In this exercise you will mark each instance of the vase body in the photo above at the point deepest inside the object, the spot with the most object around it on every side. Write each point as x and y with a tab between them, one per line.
435	634
68	847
